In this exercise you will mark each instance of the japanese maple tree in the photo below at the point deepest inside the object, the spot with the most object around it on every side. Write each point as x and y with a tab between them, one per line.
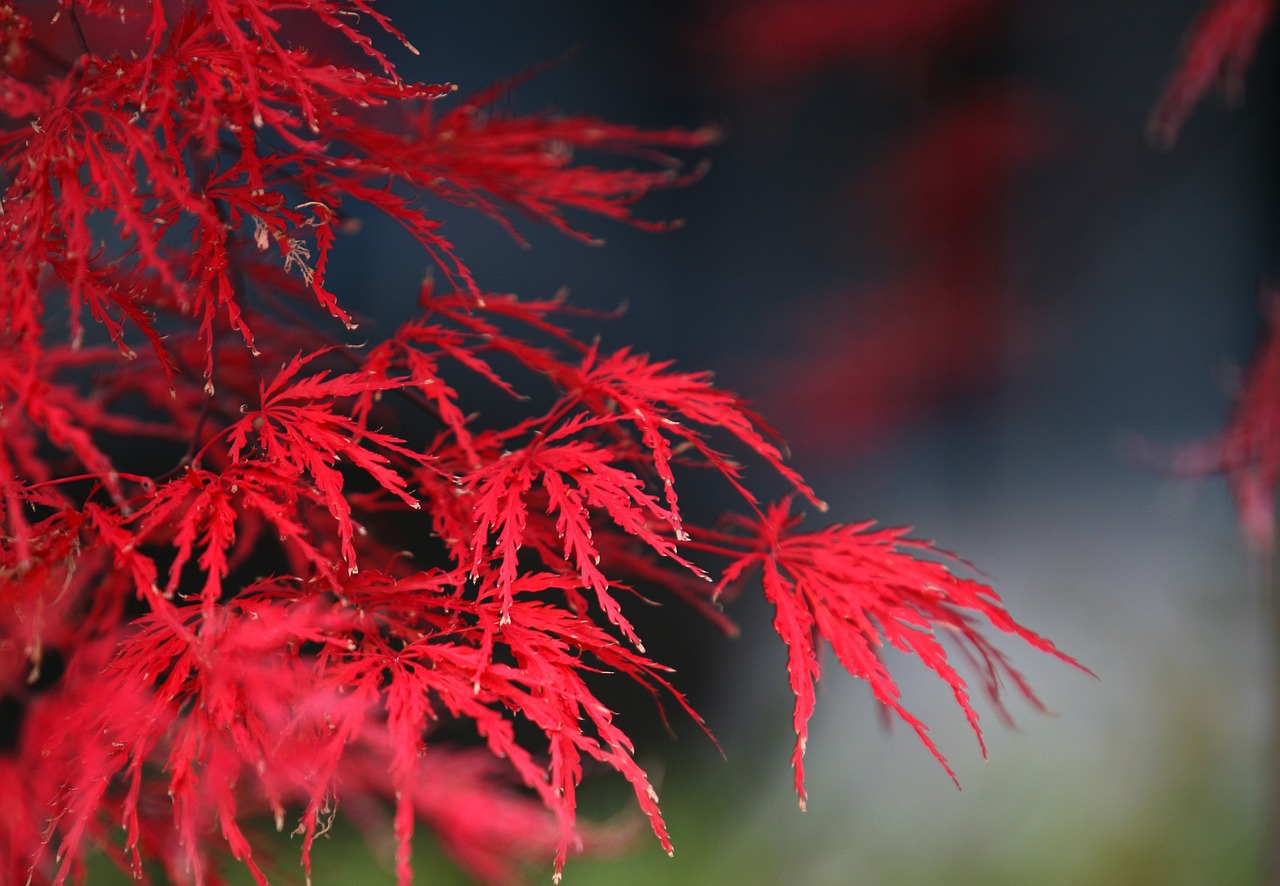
327	570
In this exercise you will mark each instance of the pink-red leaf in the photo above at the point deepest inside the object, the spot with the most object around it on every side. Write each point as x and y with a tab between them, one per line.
858	589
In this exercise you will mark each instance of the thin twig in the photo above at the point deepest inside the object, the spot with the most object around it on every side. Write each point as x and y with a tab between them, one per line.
75	23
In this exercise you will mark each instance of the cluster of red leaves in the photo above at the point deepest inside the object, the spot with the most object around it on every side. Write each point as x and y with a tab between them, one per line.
857	588
327	568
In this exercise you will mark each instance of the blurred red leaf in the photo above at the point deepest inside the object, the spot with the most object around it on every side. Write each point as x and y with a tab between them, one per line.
1247	451
1218	49
776	41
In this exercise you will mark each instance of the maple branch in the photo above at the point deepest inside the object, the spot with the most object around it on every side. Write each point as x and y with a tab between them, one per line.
75	23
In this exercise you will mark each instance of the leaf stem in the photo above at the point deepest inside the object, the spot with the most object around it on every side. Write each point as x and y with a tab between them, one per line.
75	23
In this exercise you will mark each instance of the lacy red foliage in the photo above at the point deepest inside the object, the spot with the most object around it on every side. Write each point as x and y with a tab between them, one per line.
857	588
1218	49
326	567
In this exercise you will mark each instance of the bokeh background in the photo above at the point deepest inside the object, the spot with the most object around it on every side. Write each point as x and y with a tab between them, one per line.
939	250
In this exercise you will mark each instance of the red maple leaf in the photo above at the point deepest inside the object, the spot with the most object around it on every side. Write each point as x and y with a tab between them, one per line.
859	589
